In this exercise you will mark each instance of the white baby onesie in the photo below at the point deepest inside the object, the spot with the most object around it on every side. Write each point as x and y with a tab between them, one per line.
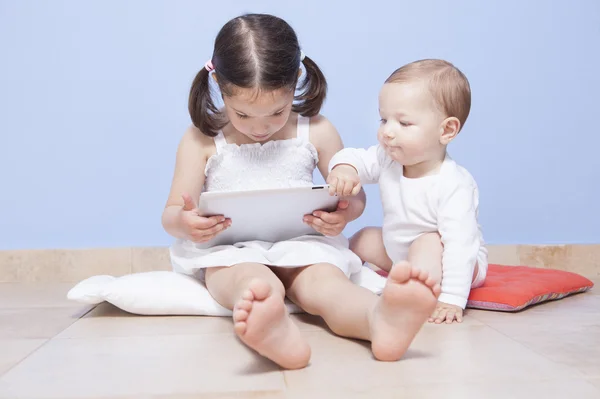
446	202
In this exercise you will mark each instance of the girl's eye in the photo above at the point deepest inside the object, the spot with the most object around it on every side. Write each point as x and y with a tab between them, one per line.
278	113
242	116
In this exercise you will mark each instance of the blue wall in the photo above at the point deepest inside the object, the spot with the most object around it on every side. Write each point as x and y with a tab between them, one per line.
93	102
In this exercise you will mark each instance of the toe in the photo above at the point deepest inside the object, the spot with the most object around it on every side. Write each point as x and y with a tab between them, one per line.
430	282
260	289
240	328
240	315
248	295
244	305
415	273
401	272
423	275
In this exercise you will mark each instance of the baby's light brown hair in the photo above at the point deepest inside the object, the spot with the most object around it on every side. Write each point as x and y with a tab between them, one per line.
448	86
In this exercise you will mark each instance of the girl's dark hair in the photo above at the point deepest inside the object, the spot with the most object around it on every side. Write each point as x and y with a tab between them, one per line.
255	51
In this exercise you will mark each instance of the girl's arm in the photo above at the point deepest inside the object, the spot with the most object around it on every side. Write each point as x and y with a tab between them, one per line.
328	142
188	179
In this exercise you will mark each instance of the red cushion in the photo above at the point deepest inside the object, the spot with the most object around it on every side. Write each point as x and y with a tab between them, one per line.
513	288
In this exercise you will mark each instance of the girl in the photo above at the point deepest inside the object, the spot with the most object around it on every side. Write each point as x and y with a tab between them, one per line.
265	137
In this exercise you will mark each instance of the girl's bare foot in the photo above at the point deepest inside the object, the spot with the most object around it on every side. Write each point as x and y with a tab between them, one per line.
261	322
407	301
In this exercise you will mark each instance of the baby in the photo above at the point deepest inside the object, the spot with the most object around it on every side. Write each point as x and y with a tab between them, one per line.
430	203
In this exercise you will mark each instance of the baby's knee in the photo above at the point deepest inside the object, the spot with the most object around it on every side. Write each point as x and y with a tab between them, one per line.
365	238
430	243
426	252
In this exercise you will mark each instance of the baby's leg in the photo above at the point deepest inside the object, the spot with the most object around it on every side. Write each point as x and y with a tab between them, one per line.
367	244
390	322
261	321
425	253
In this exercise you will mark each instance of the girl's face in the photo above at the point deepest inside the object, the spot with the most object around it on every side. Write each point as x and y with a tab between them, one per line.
259	115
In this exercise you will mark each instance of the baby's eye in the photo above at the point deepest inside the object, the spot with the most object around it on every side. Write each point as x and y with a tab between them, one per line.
405	124
383	121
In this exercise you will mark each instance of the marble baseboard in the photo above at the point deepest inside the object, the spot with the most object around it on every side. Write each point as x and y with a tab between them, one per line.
66	265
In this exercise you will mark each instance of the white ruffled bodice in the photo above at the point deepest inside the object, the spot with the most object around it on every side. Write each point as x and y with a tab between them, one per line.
274	164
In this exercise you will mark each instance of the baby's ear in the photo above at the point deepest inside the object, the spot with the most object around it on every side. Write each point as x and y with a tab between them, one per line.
449	129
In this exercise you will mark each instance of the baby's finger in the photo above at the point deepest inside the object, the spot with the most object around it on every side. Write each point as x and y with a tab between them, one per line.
459	316
434	315
339	189
450	316
332	181
356	189
441	316
348	188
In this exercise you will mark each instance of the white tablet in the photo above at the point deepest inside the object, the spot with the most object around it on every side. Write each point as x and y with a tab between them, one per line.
266	215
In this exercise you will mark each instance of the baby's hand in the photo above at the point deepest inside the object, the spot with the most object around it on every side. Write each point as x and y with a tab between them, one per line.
446	312
343	180
198	228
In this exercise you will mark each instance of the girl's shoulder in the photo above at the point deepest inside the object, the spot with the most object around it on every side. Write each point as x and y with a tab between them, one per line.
322	131
193	140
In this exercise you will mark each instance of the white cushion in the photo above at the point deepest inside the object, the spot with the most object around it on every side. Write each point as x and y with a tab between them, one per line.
171	293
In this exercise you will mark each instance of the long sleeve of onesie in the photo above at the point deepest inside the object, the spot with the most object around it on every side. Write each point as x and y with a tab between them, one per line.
459	231
368	162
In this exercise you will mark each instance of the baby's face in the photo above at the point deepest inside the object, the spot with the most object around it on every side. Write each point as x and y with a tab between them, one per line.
411	124
258	115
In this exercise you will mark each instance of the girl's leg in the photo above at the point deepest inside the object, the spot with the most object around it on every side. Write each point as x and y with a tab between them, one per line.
261	321
367	244
390	322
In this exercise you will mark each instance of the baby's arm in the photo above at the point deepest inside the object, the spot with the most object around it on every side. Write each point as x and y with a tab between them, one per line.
367	162
352	166
328	142
459	231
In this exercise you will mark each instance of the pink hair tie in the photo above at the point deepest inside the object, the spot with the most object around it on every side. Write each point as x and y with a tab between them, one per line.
209	66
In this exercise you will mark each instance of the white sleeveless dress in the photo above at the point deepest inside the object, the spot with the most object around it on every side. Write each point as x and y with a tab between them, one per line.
274	164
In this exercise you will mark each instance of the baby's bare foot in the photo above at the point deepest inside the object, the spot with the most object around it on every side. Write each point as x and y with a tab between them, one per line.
406	303
262	322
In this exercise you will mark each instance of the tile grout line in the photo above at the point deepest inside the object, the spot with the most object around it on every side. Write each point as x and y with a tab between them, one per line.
580	374
47	340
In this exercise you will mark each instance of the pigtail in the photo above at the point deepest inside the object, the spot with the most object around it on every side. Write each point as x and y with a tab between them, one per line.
313	90
202	109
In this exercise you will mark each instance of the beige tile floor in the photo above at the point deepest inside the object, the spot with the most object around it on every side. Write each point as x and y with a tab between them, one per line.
52	348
